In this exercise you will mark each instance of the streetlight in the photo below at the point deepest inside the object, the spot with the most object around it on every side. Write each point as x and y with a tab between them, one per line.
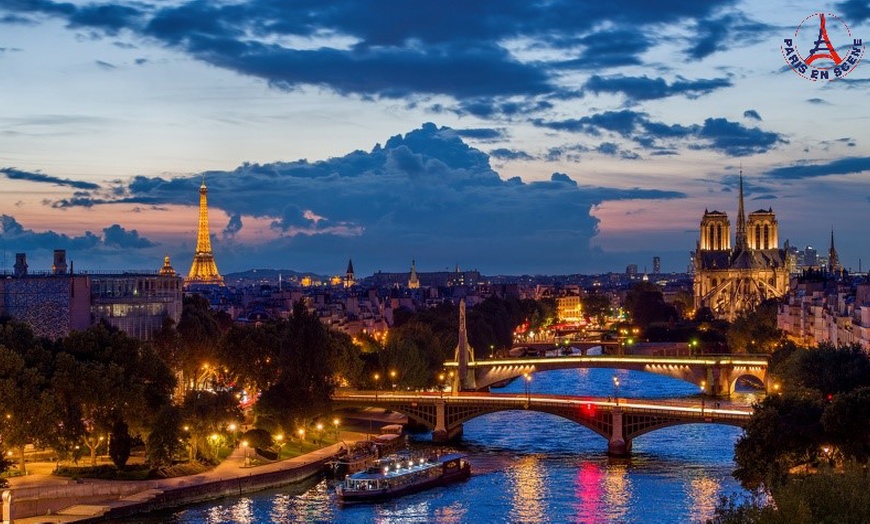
393	378
441	385
245	447
377	378
280	439
319	432
336	422
301	438
616	388
528	389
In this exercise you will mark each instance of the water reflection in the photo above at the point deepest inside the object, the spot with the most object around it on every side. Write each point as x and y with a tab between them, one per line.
529	489
703	495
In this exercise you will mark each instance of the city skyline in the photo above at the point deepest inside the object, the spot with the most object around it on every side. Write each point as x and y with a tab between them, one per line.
500	136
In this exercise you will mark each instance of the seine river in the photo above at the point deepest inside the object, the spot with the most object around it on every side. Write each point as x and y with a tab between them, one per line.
531	467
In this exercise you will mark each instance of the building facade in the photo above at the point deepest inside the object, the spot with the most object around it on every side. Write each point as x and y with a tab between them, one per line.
58	302
732	280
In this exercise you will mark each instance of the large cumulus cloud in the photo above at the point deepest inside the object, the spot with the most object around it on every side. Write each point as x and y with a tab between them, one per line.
425	194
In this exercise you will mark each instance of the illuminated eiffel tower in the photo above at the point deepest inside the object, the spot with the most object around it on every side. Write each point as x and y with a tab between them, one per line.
203	270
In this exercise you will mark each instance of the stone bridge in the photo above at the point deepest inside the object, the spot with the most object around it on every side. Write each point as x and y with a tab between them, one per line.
715	375
617	421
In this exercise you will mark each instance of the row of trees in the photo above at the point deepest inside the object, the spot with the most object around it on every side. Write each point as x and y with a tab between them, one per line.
808	446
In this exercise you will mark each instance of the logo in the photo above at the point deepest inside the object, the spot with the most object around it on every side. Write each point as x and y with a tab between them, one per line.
818	36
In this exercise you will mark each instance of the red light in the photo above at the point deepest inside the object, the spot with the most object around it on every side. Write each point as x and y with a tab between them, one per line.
588	409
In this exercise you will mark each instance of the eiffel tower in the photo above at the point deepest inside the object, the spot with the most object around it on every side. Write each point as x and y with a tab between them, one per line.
203	270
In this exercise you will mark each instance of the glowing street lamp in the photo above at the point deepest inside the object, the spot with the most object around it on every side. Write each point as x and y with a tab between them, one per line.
319	432
441	385
528	388
393	378
616	388
245	447
336	422
377	377
301	438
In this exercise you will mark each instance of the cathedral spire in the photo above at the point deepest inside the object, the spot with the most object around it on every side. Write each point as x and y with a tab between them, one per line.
833	258
413	280
740	237
204	270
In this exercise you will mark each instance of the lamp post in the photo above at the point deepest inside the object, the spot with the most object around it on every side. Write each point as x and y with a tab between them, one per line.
441	385
245	447
393	378
528	389
616	388
377	377
301	438
279	438
336	422
319	432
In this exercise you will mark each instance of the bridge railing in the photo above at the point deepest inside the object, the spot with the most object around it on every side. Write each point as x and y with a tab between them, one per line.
652	406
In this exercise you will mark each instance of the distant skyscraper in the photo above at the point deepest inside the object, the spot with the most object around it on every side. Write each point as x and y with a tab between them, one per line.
204	270
811	257
631	270
657	265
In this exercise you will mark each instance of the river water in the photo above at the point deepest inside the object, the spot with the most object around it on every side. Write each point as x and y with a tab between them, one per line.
531	467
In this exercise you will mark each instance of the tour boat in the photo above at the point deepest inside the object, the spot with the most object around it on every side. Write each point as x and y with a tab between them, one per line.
402	474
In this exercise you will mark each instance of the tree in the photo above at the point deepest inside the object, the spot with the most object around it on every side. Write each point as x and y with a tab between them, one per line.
826	369
199	331
847	422
756	331
785	431
28	407
597	306
120	444
165	439
413	354
204	413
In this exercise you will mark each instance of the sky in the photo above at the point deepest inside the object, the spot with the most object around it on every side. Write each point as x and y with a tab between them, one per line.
507	136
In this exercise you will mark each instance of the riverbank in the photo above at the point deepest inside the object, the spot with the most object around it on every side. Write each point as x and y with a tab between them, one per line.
42	498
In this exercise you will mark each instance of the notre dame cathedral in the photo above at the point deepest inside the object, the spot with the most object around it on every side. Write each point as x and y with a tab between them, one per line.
732	280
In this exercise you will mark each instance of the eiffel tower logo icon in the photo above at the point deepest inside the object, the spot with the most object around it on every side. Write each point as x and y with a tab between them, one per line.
823	43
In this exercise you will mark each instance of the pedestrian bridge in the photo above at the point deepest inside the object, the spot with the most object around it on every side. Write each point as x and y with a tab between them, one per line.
715	375
620	421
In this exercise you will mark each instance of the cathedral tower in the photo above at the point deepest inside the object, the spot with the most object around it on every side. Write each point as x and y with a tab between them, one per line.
203	270
413	280
833	258
715	232
349	276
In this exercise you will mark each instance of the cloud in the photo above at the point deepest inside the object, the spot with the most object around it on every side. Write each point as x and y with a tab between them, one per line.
611	149
17	174
818	101
425	193
482	133
510	154
719	34
843	166
117	236
14	234
734	139
233	226
387	49
730	138
854	11
752	114
105	66
645	88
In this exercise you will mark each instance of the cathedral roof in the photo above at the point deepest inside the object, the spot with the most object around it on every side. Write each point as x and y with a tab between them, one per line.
742	259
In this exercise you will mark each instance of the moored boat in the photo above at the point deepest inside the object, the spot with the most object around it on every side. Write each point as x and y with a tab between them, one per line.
402	474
